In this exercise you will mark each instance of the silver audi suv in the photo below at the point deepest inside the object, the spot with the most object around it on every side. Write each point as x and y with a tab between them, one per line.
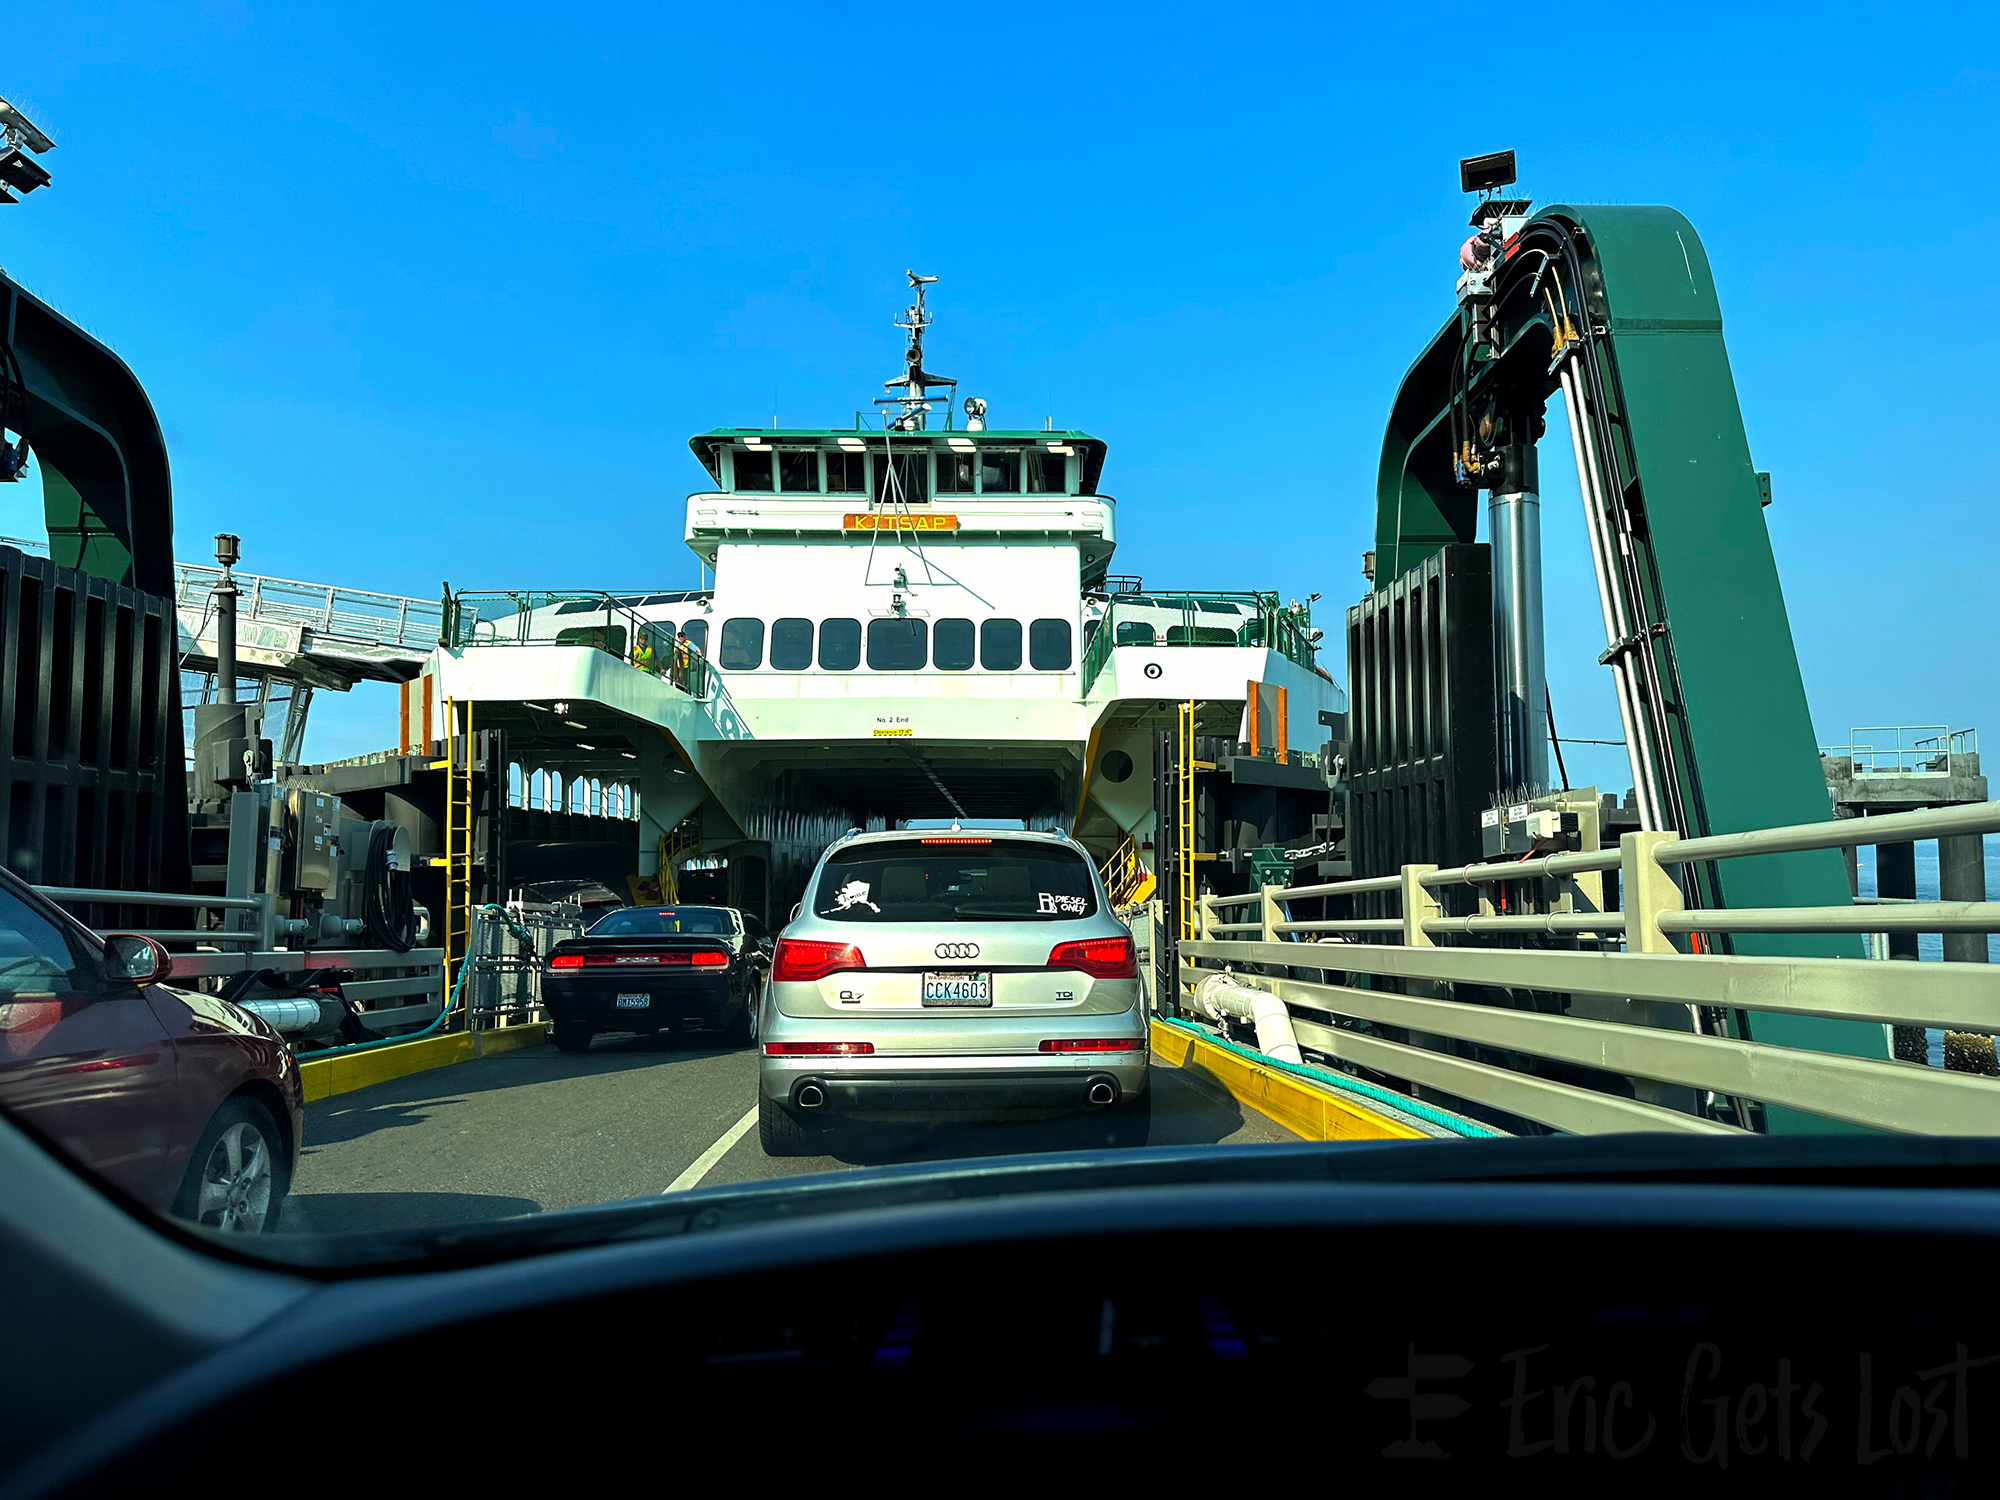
951	975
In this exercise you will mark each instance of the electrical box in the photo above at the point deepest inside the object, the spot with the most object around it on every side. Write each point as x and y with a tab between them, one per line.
315	820
1522	827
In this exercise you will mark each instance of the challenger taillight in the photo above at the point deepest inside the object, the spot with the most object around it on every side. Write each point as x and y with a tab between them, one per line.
808	958
665	958
1100	958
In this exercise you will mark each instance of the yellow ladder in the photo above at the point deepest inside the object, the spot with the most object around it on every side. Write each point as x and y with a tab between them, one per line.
458	830
675	845
1126	878
1184	830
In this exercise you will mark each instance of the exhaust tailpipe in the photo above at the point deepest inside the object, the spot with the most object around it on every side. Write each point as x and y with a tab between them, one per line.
1101	1093
810	1096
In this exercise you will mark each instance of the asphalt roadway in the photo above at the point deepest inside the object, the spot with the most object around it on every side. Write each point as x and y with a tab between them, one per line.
540	1130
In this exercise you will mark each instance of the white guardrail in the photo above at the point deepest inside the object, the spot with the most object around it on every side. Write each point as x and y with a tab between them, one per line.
1657	1017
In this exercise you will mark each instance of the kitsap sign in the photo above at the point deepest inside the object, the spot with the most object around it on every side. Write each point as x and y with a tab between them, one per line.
884	521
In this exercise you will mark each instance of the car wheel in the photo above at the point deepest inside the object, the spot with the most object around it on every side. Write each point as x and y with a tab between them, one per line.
743	1030
782	1133
571	1038
1130	1123
236	1179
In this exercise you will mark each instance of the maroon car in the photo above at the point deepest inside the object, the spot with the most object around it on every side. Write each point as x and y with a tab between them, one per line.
187	1103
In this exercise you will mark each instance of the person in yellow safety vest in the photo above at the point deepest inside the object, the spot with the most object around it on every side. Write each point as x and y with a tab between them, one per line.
683	649
642	656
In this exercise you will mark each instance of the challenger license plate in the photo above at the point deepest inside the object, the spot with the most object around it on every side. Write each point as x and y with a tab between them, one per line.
634	1002
962	990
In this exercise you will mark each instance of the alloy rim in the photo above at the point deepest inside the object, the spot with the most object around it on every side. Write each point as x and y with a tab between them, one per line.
236	1180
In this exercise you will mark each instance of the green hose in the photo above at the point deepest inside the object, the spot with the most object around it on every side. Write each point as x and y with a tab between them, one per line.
1344	1084
465	964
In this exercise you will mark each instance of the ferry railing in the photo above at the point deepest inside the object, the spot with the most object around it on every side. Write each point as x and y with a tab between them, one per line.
573	618
1135	621
1383	991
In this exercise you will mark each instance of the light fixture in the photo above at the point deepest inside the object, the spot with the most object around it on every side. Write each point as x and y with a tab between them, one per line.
852	445
562	709
629	755
574	725
1063	448
753	442
961	445
582	746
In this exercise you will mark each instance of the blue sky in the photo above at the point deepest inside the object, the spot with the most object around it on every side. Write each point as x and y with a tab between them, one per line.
439	292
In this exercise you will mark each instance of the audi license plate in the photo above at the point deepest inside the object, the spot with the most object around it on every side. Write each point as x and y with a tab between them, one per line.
634	1002
965	990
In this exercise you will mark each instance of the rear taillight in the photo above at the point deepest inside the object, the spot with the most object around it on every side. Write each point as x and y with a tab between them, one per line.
669	958
818	1049
805	958
1101	958
1093	1044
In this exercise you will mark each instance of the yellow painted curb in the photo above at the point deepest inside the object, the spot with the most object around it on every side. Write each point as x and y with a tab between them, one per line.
360	1070
1311	1113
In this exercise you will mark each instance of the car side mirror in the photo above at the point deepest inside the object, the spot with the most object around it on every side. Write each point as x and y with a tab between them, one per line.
138	960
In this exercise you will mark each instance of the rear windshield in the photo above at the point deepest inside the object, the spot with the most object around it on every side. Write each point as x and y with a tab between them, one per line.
652	921
937	880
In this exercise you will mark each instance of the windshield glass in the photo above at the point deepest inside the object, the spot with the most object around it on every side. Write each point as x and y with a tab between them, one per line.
947	878
653	921
1019	775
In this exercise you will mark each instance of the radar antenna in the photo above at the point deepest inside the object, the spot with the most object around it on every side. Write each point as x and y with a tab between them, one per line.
915	382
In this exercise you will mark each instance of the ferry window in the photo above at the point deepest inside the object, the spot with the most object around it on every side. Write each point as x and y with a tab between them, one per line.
1217	607
798	471
791	644
846	473
742	645
697	633
954	473
951	645
912	476
1134	633
1000	645
1048	474
1000	473
1089	634
753	470
897	645
839	645
1049	645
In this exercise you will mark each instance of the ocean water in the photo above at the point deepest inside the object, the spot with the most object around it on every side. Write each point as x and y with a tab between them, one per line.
1930	946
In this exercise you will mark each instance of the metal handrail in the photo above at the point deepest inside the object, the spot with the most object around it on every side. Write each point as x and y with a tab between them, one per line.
1648	981
1272	627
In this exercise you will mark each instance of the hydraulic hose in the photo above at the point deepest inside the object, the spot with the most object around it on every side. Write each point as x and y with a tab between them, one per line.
450	1005
386	904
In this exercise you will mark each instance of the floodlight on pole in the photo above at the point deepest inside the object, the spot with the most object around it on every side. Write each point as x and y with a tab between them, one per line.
20	172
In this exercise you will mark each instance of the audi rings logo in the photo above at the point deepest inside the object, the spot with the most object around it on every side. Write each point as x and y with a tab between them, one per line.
956	950
1152	669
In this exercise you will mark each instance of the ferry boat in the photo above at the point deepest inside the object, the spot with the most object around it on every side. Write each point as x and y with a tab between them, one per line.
908	621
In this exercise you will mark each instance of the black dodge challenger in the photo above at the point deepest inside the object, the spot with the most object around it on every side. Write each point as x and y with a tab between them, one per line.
659	968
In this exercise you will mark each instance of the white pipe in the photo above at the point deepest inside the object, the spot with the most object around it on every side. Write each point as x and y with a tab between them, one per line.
1610	603
1222	998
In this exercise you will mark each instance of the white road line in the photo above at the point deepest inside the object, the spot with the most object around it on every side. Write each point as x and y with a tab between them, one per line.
705	1162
